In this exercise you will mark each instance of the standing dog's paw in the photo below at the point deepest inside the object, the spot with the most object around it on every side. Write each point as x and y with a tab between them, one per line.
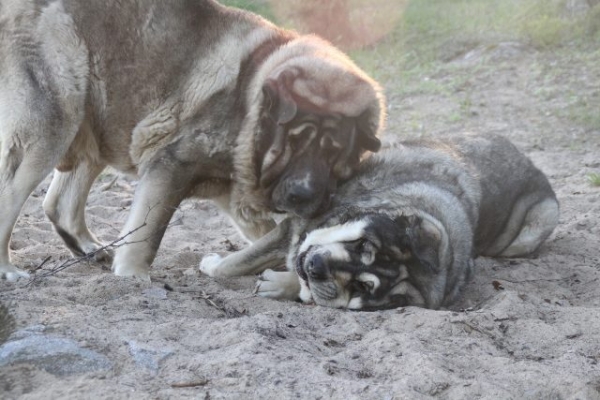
210	264
282	285
12	273
130	271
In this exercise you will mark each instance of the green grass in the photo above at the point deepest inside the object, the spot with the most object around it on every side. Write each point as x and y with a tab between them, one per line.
594	179
432	32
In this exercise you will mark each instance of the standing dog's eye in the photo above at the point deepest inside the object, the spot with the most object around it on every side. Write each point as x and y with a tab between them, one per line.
306	130
330	147
302	135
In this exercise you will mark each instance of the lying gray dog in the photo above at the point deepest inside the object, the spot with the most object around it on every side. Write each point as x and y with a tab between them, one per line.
195	99
405	229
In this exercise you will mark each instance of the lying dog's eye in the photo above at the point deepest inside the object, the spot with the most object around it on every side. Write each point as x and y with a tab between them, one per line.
360	245
360	287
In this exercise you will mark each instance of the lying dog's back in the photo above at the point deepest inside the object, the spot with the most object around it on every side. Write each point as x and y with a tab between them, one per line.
512	191
496	185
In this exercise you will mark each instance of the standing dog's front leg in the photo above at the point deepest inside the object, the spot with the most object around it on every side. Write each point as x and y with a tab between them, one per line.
156	198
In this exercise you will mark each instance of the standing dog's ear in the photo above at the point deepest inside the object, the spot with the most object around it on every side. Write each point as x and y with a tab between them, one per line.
281	105
281	109
367	131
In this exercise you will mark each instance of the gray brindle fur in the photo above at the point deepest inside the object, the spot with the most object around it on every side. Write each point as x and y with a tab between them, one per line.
405	229
195	99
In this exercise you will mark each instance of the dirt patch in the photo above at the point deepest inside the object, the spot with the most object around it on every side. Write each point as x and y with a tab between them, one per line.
523	328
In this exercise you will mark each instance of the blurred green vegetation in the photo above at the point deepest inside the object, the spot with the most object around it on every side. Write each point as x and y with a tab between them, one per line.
429	33
594	179
260	7
439	30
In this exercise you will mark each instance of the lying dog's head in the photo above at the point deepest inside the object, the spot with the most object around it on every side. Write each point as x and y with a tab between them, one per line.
320	114
374	262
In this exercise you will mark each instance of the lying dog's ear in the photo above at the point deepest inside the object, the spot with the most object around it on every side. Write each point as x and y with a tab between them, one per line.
424	239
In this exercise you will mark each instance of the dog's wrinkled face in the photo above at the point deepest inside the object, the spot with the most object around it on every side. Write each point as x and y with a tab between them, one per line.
372	263
301	153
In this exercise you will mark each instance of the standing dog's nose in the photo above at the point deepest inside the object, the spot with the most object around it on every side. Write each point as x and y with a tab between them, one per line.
300	195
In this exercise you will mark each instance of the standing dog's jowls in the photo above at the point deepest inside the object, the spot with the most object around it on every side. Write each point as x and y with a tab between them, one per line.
405	229
194	98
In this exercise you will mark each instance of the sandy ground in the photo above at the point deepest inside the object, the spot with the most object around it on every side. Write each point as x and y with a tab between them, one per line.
524	328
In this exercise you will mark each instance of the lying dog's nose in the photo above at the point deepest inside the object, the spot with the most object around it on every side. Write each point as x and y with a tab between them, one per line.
317	267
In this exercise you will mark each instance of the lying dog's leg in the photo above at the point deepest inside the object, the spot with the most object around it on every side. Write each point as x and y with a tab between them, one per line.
539	222
530	222
270	251
65	207
283	285
157	196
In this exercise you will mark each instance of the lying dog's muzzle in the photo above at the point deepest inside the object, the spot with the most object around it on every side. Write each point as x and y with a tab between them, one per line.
316	267
312	267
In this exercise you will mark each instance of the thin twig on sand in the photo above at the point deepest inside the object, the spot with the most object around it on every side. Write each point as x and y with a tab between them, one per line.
89	256
120	241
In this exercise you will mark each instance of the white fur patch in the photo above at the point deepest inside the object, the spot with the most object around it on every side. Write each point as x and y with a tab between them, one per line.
355	303
210	264
305	182
305	293
335	234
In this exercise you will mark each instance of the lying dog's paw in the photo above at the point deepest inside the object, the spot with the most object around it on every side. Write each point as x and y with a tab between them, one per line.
283	285
210	264
12	273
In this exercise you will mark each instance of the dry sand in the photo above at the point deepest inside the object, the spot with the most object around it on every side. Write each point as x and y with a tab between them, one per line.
524	328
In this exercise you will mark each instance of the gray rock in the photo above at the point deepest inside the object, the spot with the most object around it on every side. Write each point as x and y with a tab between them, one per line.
155	293
7	323
147	357
58	356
